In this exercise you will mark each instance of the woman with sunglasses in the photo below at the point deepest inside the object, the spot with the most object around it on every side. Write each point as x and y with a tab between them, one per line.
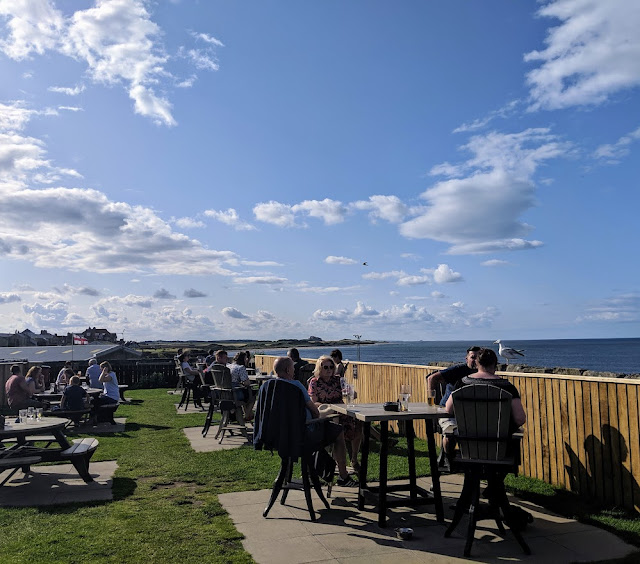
325	387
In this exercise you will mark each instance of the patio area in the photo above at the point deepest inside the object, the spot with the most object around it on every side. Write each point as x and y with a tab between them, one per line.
343	534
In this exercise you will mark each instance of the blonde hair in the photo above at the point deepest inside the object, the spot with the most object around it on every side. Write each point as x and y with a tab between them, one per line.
318	369
106	364
33	372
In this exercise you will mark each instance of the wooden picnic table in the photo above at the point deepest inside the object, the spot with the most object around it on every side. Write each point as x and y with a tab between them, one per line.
78	453
373	412
57	396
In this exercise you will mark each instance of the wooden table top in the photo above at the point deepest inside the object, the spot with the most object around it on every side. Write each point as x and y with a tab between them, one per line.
375	412
42	427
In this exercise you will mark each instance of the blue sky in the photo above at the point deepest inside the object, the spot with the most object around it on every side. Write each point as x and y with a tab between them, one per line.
414	170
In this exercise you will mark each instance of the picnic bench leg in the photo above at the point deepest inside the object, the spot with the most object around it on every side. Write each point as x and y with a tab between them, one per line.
81	464
435	473
307	486
382	489
364	464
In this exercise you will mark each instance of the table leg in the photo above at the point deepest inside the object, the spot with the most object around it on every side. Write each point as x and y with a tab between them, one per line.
382	491
61	438
364	465
411	454
435	473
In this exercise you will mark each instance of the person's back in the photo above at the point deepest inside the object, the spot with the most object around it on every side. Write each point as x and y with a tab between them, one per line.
93	375
73	396
15	390
110	387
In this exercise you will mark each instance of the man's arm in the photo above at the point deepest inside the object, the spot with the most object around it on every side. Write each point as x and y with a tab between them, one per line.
313	409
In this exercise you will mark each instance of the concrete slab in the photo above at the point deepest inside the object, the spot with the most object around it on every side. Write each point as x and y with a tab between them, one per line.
210	443
52	485
342	534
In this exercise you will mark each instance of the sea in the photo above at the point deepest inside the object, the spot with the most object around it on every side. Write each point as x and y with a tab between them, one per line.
620	356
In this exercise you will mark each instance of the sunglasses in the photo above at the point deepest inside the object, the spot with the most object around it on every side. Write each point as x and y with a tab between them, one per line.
328	366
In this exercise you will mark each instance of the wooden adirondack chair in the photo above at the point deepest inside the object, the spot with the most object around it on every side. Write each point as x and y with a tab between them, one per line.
488	450
230	407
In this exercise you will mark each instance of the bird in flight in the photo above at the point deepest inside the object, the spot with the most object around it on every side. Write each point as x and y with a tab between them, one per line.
508	352
365	264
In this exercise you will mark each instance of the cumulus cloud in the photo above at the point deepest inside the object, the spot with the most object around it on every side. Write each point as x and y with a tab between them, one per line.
384	275
71	226
77	290
43	314
117	40
483	207
7	298
331	259
275	213
193	293
591	55
444	274
284	215
163	294
387	208
233	313
231	218
326	289
437	295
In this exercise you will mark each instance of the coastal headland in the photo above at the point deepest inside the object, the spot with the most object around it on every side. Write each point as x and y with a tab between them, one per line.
169	348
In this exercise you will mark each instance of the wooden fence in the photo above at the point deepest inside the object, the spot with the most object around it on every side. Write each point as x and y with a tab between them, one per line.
582	433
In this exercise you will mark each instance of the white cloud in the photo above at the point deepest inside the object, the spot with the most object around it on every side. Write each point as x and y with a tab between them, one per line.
413	280
590	56
188	223
495	262
274	213
7	298
200	59
330	211
612	153
506	111
494	246
68	90
327	289
50	313
437	295
384	275
259	280
233	313
260	263
410	256
284	215
231	218
623	308
388	208
71	226
207	38
444	274
116	39
70	108
331	259
14	117
485	206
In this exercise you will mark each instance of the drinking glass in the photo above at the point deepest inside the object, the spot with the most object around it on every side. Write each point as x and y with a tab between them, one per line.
52	387
405	394
39	414
31	413
431	397
22	414
351	395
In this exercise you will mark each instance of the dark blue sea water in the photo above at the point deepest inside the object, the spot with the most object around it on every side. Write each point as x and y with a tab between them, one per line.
608	355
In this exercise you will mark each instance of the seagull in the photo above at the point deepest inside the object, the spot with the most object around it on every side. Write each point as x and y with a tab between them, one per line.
508	352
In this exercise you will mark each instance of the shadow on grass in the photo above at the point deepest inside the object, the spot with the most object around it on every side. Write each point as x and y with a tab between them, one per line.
138	426
620	522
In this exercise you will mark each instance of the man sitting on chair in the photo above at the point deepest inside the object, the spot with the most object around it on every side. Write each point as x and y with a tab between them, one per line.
321	433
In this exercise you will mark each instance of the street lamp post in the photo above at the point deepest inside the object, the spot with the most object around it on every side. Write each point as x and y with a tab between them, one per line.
358	345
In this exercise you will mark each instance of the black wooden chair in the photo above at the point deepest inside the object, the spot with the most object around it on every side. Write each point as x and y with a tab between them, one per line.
192	386
280	425
488	451
231	408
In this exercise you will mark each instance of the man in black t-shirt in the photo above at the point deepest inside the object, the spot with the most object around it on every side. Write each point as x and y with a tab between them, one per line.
445	380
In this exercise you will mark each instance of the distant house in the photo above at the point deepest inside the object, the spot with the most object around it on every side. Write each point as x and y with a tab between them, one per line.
94	335
42	339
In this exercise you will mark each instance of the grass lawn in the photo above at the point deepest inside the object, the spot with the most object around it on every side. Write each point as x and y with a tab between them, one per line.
165	506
